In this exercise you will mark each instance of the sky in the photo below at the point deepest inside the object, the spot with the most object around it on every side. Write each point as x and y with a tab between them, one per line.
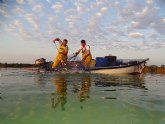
128	29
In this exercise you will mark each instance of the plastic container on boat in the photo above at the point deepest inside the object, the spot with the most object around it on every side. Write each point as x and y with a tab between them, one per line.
102	62
111	59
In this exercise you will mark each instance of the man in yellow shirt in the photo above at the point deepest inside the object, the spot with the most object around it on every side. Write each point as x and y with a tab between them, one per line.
86	54
61	57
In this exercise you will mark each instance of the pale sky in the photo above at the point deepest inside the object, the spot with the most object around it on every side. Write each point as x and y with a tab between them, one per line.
128	29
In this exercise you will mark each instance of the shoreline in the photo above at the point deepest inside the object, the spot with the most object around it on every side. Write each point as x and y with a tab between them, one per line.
147	69
16	65
154	69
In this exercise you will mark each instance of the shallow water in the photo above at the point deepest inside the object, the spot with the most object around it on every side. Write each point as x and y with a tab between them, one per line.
49	98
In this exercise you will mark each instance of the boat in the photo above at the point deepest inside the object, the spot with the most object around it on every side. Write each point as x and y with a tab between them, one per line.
130	67
100	65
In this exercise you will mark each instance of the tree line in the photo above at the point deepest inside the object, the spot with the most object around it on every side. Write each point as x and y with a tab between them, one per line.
15	65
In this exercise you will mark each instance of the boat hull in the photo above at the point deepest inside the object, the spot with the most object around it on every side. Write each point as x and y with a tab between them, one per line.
123	69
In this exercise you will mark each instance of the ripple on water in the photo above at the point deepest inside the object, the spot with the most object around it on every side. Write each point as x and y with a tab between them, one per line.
29	97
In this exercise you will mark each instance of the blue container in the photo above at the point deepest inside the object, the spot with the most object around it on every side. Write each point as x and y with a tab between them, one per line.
102	62
117	63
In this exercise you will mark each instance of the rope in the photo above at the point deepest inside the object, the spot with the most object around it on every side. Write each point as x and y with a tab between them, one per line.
56	46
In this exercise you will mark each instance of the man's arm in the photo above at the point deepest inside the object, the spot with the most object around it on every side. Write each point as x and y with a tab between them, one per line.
57	39
79	50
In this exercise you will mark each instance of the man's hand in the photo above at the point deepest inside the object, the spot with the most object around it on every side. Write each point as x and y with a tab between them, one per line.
56	39
76	53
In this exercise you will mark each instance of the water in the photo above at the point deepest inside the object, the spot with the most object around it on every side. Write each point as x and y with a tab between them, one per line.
48	98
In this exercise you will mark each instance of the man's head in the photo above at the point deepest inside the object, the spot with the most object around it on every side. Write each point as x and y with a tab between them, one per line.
83	43
64	42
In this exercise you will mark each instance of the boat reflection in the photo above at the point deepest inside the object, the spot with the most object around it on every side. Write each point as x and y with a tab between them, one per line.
130	81
76	87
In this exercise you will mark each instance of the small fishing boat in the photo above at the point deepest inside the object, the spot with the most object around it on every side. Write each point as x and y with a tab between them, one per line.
101	65
122	67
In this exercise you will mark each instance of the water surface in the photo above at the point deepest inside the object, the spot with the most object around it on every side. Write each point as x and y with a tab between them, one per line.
49	98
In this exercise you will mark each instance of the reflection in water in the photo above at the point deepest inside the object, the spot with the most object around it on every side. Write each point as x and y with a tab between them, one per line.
0	96
90	98
78	86
40	79
85	87
60	94
81	84
81	87
59	97
131	81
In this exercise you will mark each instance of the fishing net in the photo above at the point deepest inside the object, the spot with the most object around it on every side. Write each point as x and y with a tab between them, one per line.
74	61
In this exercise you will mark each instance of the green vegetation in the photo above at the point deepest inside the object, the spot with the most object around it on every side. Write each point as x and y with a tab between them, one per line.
154	69
15	65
